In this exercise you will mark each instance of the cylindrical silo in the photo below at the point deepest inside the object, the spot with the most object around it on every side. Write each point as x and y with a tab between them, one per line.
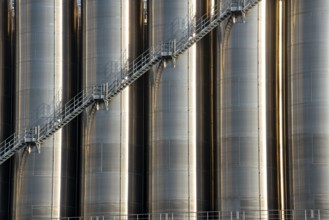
180	141
308	105
43	183
112	160
6	105
247	113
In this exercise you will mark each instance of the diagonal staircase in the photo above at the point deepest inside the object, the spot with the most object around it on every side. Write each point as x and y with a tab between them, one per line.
195	31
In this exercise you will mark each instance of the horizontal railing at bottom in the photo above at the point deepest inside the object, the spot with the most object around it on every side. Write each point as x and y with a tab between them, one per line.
310	214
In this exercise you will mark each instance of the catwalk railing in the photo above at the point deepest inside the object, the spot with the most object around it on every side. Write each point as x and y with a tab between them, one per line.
130	72
220	215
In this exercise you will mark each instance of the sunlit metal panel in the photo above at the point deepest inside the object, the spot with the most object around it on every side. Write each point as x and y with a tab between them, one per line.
308	104
112	172
180	113
43	182
247	112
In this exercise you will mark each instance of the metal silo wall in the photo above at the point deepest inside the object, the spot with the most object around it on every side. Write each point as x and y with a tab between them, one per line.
247	113
180	140
6	107
307	105
112	172
44	183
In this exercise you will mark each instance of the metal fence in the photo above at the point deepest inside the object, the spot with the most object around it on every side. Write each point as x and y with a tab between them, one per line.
312	214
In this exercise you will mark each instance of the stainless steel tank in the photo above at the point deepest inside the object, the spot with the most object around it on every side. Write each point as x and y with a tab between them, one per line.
6	105
307	105
112	160
43	183
247	114
180	141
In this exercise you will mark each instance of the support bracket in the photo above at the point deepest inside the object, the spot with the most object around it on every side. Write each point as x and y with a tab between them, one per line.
168	51
100	95
31	138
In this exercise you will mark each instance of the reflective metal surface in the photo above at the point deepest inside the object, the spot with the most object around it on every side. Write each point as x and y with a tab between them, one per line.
6	80
44	182
247	113
180	139
112	172
307	105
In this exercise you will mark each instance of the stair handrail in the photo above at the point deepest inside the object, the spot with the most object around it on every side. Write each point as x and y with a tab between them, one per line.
196	29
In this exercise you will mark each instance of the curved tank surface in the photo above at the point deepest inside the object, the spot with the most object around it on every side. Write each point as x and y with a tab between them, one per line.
112	172
180	141
247	113
308	104
6	107
43	183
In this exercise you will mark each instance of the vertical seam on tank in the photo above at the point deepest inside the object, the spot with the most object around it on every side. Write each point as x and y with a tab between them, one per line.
120	109
149	160
188	123
154	89
292	25
212	75
149	169
227	33
16	164
280	126
296	83
83	36
53	138
259	109
12	108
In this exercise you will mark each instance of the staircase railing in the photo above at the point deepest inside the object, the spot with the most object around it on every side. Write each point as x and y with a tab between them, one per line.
195	31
